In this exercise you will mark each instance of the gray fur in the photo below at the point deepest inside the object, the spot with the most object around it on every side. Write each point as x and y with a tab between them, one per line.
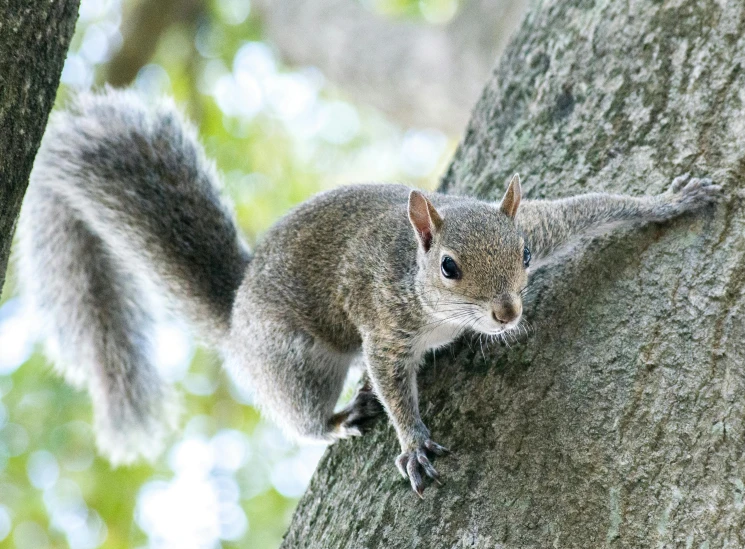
553	225
122	198
353	270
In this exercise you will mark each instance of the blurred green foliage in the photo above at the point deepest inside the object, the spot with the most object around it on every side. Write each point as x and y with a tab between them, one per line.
299	136
431	11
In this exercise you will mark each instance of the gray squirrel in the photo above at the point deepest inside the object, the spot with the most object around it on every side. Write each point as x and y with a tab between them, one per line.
123	201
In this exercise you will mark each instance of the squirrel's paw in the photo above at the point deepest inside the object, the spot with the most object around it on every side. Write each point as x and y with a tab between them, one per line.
364	410
359	416
411	464
689	193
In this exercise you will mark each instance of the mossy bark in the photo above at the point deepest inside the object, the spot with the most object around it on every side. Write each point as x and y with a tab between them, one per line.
34	37
619	421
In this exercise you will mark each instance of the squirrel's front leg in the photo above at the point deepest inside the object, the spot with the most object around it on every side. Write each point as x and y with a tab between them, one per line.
392	368
553	224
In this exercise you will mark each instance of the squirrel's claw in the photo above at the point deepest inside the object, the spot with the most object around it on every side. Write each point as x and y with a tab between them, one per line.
415	477
679	182
430	471
685	194
435	448
411	464
692	192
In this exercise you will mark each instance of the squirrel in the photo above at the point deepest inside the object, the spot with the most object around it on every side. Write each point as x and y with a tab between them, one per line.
123	200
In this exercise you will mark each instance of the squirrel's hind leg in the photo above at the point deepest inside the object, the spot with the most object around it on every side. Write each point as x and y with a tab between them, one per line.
297	379
360	414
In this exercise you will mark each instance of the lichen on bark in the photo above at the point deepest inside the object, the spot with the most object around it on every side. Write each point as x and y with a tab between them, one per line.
619	421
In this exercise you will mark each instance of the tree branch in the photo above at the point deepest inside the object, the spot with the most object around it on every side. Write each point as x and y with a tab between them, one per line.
142	30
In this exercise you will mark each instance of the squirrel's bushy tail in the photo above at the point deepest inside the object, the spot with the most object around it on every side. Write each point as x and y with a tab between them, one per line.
123	201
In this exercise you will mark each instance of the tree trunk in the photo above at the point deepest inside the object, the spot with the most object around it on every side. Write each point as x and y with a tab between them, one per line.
619	421
34	38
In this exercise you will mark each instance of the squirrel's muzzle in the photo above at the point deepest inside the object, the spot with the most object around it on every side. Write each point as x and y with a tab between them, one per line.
507	309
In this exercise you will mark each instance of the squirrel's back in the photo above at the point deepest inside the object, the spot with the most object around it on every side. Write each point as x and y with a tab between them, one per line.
326	264
122	199
304	264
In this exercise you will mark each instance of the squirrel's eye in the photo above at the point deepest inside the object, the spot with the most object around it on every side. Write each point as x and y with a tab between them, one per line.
449	268
526	257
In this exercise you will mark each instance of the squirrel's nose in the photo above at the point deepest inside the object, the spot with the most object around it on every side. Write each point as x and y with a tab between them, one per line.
506	311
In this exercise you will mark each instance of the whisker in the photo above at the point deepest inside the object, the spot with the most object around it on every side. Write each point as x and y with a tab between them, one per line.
436	323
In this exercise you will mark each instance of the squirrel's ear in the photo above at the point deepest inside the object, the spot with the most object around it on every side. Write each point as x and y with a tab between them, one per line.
512	197
424	218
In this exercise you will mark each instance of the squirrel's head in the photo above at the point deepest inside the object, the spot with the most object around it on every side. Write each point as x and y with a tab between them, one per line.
472	261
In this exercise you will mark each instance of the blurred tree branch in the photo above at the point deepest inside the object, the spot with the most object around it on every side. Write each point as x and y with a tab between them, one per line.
144	24
419	74
34	38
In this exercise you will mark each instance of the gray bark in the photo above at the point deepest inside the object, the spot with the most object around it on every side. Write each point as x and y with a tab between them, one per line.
619	421
419	74
33	43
